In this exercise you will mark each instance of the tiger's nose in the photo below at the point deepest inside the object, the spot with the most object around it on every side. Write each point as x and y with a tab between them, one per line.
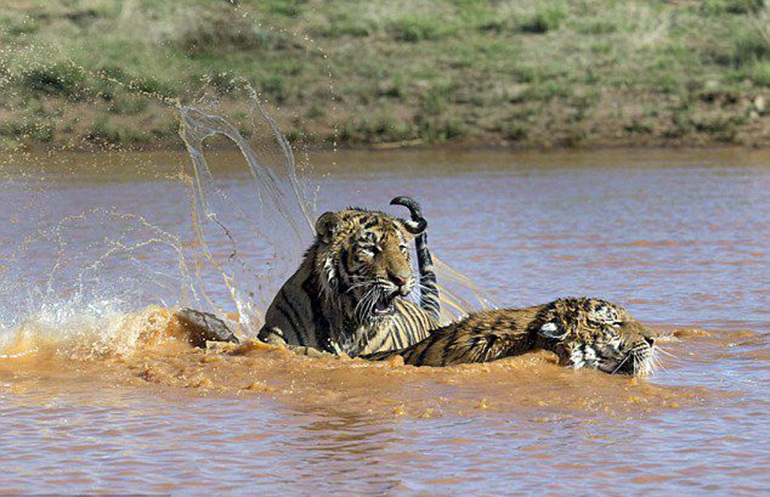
398	280
650	341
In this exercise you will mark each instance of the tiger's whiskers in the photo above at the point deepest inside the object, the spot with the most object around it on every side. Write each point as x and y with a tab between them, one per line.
621	365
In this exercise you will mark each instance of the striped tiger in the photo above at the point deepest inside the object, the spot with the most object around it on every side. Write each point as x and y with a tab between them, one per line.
349	295
582	332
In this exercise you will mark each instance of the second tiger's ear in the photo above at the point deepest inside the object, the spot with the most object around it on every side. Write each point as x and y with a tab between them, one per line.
552	330
326	226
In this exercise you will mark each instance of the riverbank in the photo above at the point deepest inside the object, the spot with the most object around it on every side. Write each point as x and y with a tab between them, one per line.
544	75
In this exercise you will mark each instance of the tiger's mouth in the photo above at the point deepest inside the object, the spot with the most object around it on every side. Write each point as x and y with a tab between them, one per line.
377	302
632	362
623	365
636	363
385	305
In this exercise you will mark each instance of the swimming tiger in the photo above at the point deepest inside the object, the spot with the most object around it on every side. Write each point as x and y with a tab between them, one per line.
583	332
349	293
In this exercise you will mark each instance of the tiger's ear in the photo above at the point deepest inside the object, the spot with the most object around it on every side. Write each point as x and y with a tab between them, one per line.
326	226
552	330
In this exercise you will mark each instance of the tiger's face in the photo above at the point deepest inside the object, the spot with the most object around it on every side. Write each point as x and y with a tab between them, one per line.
597	334
364	260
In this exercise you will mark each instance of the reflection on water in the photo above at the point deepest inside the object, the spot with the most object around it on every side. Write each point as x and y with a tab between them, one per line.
678	238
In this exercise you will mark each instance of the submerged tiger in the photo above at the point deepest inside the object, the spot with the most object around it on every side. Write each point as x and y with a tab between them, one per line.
582	332
349	294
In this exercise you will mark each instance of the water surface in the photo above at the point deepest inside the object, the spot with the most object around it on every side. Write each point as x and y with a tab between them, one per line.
88	404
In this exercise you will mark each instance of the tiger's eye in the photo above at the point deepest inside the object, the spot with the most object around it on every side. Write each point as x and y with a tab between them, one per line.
367	250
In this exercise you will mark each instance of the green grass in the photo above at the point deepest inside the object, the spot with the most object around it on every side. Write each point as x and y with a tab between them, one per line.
760	74
415	28
530	74
546	18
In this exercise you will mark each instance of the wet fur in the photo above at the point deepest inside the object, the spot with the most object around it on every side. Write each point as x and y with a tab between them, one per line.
582	332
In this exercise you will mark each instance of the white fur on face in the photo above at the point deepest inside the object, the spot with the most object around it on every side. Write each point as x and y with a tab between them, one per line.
576	357
331	274
584	356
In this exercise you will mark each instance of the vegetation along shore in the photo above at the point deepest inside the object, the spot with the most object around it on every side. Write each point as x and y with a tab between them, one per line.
544	74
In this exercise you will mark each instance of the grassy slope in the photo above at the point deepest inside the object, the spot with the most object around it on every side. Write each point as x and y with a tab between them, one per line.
90	73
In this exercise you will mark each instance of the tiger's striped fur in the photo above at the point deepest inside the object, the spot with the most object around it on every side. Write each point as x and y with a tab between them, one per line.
349	293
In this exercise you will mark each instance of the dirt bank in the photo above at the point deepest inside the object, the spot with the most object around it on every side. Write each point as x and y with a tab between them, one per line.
381	74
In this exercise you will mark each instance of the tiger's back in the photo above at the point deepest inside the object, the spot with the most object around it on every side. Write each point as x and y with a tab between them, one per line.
582	332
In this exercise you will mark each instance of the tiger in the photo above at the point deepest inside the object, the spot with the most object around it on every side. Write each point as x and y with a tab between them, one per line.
583	332
349	295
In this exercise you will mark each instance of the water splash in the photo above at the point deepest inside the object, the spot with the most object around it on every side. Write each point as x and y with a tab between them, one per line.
78	268
85	331
278	211
459	294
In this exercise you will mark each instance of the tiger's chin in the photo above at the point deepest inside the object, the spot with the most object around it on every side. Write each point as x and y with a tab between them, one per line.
618	362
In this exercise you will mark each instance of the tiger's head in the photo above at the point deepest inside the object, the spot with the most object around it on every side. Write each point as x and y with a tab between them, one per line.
594	333
363	261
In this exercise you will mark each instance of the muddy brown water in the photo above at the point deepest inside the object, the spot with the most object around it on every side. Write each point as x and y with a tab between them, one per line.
102	401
